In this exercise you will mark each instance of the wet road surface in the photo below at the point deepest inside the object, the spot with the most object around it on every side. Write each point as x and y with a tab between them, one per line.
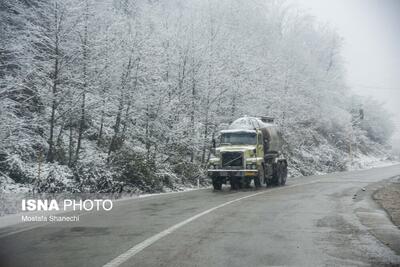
323	220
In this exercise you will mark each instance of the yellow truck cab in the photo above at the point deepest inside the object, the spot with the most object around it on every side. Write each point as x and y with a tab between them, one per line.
250	150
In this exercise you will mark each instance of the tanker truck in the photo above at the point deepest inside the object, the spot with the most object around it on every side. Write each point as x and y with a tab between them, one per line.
249	150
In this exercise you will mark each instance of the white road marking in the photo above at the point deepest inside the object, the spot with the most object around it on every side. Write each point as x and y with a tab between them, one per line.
144	244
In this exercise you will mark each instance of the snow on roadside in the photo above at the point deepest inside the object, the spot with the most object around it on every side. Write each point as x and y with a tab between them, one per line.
7	185
10	190
361	161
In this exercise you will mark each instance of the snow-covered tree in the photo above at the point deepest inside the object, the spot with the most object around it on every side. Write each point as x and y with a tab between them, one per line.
135	90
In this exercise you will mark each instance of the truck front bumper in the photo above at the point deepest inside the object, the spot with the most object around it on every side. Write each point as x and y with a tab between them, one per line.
230	173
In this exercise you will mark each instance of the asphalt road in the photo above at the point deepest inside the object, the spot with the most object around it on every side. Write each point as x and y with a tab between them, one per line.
324	220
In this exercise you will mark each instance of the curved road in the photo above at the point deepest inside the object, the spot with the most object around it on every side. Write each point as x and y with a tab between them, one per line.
327	220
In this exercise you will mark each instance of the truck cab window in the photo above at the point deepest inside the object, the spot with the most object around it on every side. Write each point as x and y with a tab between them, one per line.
238	138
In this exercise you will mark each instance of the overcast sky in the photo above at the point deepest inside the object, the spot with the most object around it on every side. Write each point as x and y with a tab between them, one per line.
371	33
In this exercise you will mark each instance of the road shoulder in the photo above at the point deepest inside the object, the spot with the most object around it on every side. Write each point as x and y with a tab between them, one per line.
375	206
388	197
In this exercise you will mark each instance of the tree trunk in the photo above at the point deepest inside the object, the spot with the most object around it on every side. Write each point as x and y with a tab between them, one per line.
50	154
192	114
85	83
124	80
70	143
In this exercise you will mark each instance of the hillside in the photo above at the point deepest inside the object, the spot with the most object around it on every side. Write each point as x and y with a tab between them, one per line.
110	96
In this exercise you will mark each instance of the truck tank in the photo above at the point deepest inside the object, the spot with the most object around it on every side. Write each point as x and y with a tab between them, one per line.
273	141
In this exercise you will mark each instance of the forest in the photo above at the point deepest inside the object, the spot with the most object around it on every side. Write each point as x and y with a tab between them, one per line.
126	95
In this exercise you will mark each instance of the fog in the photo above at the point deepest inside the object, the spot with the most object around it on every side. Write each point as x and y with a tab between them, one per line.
371	37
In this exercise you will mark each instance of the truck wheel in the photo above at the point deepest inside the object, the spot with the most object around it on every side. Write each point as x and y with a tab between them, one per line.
276	174
234	183
240	182
247	182
259	177
283	173
269	179
217	184
244	182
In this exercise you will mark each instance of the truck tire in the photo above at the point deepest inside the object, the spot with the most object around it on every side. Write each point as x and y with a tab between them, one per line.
217	184
234	181
240	183
276	174
247	182
283	173
244	182
259	178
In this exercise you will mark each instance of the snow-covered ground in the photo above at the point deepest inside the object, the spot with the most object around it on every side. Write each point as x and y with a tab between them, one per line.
7	185
365	162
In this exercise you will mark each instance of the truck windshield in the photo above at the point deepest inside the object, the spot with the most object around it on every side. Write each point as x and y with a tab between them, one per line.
239	138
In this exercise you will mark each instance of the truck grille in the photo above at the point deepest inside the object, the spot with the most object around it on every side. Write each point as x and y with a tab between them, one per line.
232	159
